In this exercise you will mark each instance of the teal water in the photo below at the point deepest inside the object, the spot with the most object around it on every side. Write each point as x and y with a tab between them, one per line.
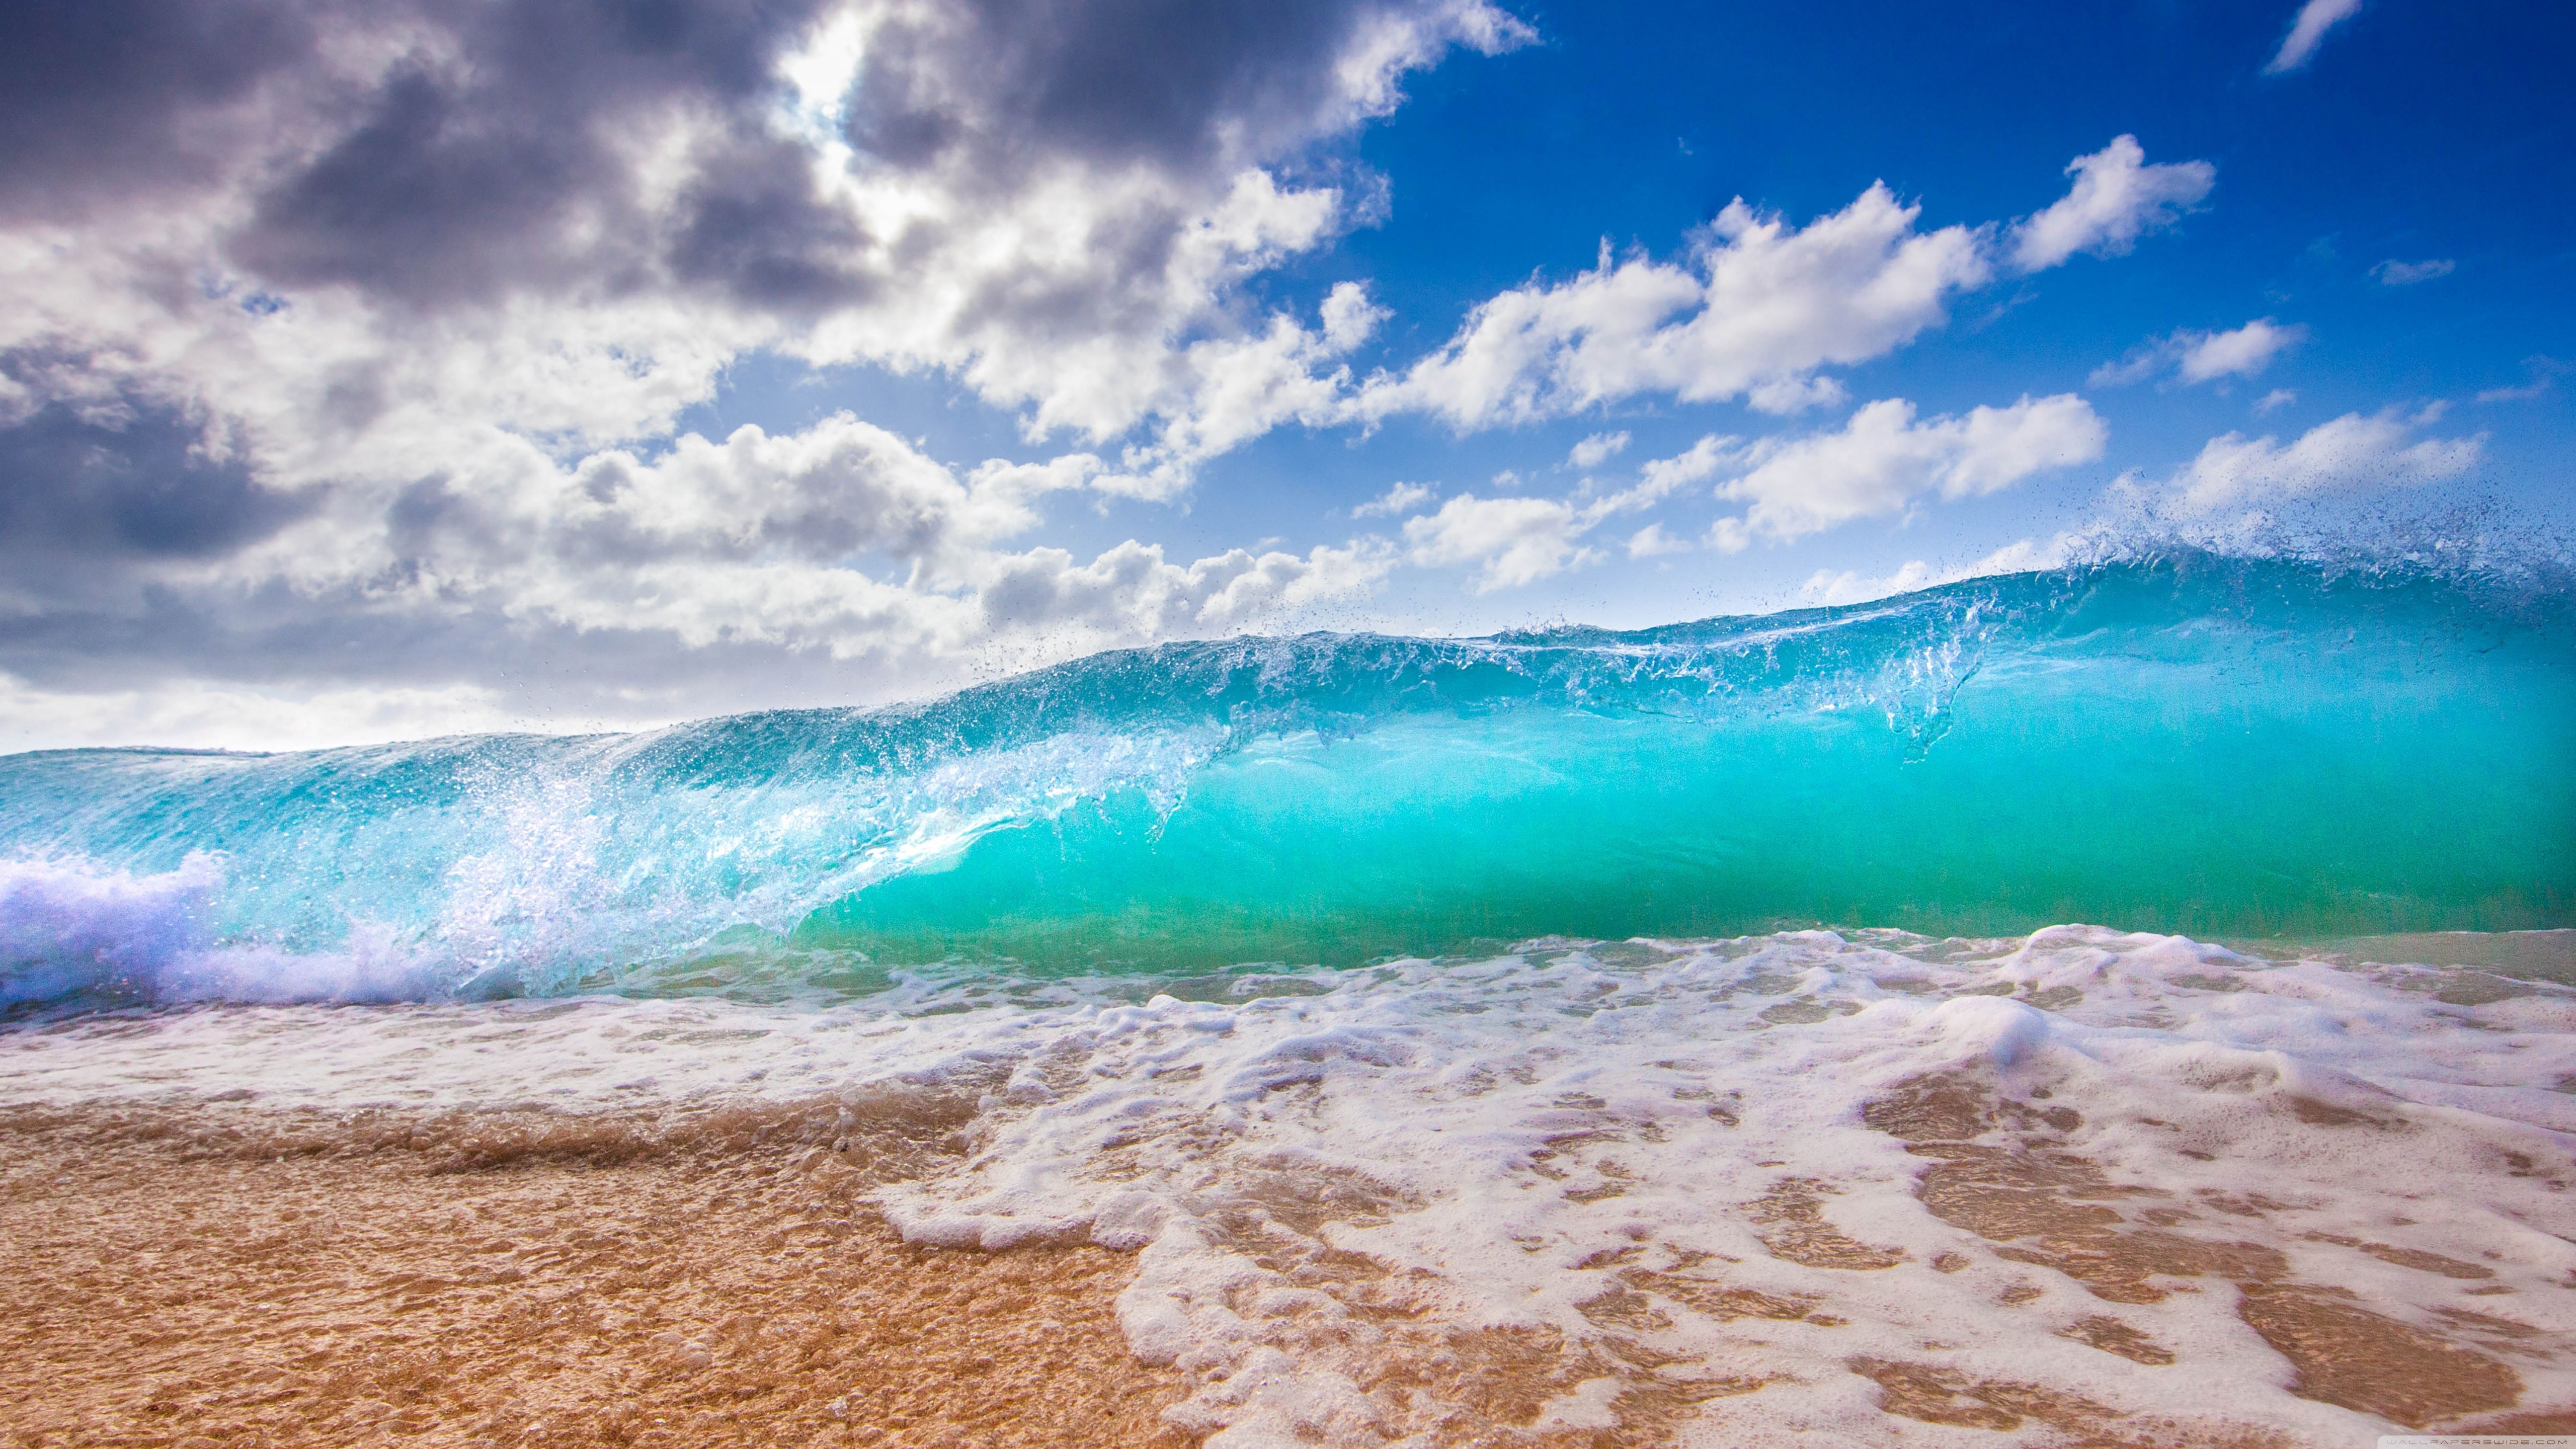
2227	748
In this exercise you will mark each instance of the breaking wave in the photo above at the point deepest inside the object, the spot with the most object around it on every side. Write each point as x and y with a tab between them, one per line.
2221	746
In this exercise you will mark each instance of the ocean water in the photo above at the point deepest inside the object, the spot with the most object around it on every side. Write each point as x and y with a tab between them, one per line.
2220	747
2131	1000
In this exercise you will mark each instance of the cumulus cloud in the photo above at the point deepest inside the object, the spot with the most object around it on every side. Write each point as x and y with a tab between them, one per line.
2196	357
1757	306
2273	401
1652	541
1758	301
1882	461
1395	502
1511	540
2117	198
345	343
2353	451
2394	273
2314	19
1597	449
1521	540
311	214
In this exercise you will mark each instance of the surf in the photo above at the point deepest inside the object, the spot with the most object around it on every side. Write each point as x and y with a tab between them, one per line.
2184	742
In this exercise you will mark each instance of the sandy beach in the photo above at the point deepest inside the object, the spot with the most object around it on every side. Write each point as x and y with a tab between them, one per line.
2086	1189
180	1281
238	1277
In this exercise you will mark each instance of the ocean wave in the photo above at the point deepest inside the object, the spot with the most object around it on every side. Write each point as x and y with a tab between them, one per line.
2233	746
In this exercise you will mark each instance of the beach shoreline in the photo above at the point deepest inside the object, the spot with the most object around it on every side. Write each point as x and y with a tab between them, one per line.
2083	1189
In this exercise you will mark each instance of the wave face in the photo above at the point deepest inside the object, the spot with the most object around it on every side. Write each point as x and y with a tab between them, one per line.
2224	747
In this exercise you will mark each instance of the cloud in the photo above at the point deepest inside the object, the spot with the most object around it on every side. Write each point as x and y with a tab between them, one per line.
2394	273
1850	586
2116	199
1512	540
1701	460
2314	20
2352	451
842	539
1757	306
1879	464
610	203
2197	357
1756	302
342	346
99	488
2273	401
1396	501
1597	449
2244	352
1882	461
1651	541
1521	540
2543	373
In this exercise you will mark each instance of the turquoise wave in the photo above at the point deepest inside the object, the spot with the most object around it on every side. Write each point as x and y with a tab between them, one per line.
2222	747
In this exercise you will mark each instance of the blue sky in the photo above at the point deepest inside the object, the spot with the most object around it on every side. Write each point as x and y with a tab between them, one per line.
356	397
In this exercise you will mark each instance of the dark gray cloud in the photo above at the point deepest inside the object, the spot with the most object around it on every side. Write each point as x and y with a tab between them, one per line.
506	158
500	156
125	481
100	98
1177	82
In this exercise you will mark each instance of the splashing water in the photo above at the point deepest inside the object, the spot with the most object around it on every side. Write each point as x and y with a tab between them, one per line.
2227	747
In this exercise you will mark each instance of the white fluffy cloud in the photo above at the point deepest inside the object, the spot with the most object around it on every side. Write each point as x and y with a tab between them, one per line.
1511	540
1397	501
2244	352
1597	449
1521	540
2353	451
2205	356
1881	462
2117	198
1755	309
2315	18
1758	306
843	539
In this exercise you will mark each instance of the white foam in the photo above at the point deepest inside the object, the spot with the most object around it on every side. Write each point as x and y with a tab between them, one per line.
1496	1137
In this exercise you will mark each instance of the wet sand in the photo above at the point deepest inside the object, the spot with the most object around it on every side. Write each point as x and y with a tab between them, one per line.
196	1280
